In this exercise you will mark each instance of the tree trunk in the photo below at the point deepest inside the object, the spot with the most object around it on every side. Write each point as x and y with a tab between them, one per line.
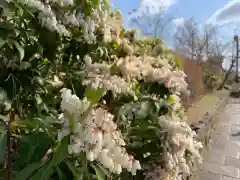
227	75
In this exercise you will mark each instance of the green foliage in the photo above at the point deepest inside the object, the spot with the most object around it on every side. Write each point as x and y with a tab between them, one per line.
33	148
212	80
94	95
156	47
35	63
61	151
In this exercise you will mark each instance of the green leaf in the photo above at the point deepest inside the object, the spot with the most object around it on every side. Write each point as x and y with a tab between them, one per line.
24	65
4	117
3	95
27	171
44	173
34	147
2	127
49	44
106	172
20	49
31	50
72	167
94	95
61	151
5	32
2	42
115	45
99	173
38	99
144	110
61	175
3	141
45	122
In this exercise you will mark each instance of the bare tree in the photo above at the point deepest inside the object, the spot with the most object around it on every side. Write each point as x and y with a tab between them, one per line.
228	72
184	38
154	25
198	43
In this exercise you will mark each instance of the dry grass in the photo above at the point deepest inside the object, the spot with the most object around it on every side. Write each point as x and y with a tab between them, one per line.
202	106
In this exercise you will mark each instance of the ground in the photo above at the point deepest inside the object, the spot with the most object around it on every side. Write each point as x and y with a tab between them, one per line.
222	158
202	106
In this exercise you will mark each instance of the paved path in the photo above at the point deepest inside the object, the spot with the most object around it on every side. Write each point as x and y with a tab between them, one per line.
222	160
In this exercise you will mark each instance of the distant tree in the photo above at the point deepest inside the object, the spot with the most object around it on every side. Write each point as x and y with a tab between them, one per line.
198	43
151	24
230	69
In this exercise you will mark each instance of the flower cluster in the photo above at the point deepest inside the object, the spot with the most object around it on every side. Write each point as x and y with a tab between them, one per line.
179	145
46	15
152	69
94	133
54	17
99	76
112	28
180	138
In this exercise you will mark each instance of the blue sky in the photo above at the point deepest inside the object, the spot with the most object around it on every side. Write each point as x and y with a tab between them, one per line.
201	10
222	13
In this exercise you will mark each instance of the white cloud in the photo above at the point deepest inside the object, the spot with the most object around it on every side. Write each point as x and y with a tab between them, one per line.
178	21
230	13
156	5
153	6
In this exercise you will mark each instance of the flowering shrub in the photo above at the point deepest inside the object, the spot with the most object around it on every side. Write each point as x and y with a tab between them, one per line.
83	98
212	80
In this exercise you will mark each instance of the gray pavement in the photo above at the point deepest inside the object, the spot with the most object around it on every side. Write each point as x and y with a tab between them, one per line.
222	159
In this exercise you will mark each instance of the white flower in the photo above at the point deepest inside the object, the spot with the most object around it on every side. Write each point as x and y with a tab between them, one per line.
180	140
117	168
46	16
70	103
62	134
87	59
106	160
99	77
152	70
135	166
90	155
96	135
67	2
